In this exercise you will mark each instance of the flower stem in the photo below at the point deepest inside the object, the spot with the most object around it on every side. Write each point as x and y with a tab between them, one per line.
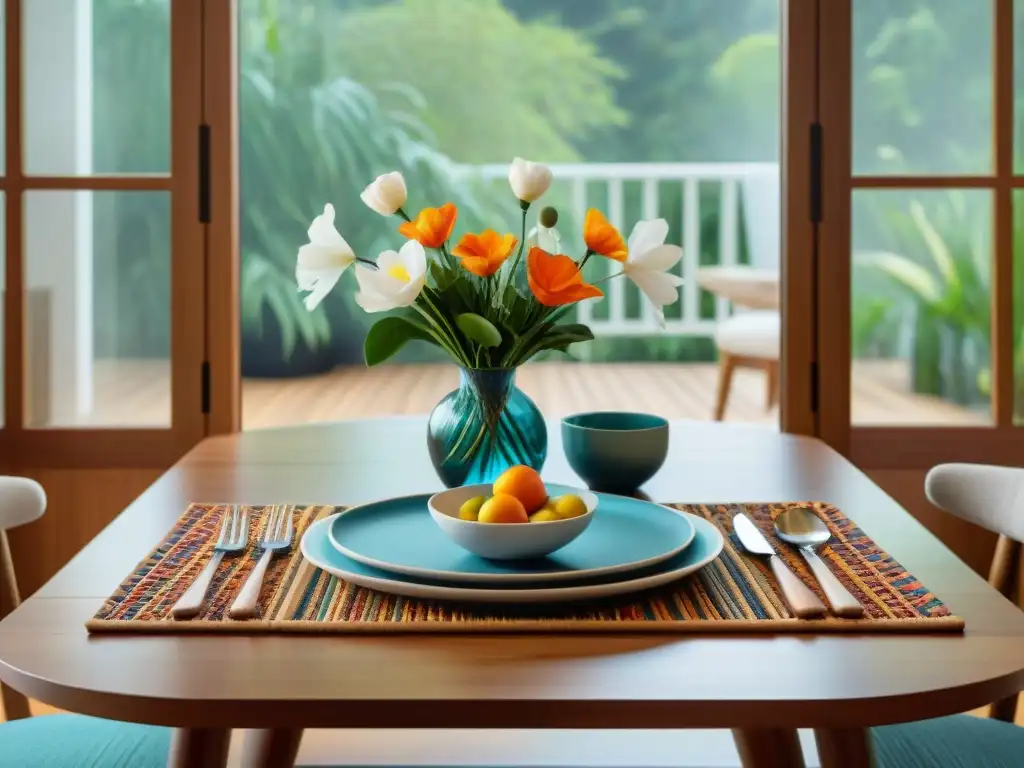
519	252
440	323
606	278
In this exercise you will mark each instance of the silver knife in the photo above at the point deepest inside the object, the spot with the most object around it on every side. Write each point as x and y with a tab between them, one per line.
801	600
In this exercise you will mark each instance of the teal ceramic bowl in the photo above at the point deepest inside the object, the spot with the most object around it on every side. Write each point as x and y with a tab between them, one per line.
615	452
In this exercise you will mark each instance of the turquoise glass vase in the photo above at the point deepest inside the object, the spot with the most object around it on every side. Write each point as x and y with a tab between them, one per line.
484	427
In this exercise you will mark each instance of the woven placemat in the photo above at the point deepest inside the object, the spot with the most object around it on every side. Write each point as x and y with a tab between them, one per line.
735	593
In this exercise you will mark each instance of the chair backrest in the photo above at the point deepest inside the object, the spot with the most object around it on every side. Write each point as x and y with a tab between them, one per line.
21	501
992	497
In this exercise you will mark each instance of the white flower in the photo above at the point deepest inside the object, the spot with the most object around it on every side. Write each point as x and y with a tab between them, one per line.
529	180
387	193
396	282
649	261
323	259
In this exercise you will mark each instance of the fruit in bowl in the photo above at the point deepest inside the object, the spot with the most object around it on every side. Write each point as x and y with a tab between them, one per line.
488	519
520	496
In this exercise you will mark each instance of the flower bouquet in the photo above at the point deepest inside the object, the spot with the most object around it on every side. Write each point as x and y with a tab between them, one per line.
489	301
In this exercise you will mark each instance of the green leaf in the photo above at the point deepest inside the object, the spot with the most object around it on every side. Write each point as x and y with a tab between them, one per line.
561	336
478	329
389	335
937	247
911	276
441	276
577	330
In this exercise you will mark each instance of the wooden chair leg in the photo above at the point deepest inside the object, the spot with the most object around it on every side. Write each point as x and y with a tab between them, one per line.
15	704
9	597
768	747
1004	566
1007	576
199	748
272	748
726	366
771	371
844	748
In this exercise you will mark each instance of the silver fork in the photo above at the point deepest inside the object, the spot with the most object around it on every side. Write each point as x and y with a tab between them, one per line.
234	536
277	537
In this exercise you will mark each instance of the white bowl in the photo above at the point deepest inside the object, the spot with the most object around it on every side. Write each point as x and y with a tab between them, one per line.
507	541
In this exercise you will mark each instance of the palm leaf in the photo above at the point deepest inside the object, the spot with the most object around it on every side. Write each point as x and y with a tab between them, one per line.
911	276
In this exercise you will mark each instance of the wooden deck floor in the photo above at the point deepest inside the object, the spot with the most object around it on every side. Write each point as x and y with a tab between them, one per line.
675	391
136	393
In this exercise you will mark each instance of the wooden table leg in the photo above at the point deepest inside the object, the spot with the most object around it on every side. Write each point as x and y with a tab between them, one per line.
199	748
271	748
844	747
768	748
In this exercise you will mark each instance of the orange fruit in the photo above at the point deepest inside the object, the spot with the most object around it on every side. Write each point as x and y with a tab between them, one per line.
525	484
502	508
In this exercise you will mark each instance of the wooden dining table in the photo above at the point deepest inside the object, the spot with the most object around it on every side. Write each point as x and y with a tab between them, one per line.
762	687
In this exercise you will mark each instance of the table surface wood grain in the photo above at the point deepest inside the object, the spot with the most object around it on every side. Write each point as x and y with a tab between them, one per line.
506	681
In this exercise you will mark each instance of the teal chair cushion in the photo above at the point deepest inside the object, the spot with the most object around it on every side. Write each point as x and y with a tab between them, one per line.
959	741
77	741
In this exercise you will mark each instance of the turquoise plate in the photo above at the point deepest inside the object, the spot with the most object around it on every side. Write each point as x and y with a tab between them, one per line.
398	535
317	549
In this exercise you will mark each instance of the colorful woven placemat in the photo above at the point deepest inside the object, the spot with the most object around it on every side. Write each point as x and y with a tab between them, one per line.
735	593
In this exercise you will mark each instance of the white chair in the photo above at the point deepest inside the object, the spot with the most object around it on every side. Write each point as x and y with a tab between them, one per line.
751	340
21	501
993	498
751	337
59	740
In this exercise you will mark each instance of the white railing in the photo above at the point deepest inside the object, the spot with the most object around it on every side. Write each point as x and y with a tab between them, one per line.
581	185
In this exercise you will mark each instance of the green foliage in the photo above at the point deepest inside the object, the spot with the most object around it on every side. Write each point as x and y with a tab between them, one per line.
666	48
940	261
390	334
915	63
746	84
264	286
495	87
478	329
339	137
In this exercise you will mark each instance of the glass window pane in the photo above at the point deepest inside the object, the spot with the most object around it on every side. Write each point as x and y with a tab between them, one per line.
921	307
96	86
97	309
922	87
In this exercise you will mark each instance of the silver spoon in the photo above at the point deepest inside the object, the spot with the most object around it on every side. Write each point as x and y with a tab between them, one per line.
806	531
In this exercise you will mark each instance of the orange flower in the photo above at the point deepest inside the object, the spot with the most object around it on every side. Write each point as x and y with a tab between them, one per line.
432	227
484	254
556	280
601	237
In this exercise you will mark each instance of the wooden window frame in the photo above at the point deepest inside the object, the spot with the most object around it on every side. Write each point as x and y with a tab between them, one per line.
899	447
116	446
